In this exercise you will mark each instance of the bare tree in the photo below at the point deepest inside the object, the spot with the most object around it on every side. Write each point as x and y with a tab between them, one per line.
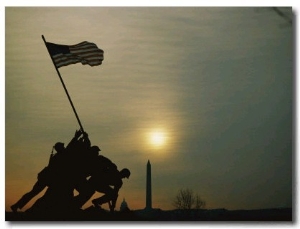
199	203
186	199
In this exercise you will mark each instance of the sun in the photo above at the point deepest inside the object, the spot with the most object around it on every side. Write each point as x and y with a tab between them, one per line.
157	138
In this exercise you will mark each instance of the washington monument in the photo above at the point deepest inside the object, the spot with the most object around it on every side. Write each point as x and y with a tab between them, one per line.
148	187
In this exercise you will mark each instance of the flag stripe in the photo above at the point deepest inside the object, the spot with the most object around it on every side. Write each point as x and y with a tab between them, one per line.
64	60
83	45
87	53
84	53
71	56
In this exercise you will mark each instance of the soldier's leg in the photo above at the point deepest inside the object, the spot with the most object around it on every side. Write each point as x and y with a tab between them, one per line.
85	193
108	195
113	202
37	188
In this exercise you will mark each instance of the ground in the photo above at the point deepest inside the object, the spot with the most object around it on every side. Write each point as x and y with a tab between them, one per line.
92	214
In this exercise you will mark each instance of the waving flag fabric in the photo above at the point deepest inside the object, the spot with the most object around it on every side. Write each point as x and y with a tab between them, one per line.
84	53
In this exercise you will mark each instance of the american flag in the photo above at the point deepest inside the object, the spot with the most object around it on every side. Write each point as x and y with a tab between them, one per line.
84	52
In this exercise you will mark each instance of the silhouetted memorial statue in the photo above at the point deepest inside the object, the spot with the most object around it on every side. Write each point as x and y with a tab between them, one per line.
75	167
79	165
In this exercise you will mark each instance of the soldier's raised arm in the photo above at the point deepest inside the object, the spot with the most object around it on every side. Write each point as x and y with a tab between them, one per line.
85	139
74	140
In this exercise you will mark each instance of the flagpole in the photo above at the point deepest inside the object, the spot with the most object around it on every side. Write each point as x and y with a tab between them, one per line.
64	86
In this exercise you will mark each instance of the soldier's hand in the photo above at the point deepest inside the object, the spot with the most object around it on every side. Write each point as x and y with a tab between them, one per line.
77	133
85	134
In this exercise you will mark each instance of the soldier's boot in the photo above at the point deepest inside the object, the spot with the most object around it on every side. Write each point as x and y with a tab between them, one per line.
96	204
14	208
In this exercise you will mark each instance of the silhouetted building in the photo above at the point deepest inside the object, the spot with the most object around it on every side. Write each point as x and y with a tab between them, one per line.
148	187
124	205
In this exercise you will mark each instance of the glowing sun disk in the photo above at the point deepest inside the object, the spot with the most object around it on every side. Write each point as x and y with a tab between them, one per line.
158	138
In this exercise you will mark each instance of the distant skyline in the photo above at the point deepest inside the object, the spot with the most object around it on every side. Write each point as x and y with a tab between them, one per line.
205	94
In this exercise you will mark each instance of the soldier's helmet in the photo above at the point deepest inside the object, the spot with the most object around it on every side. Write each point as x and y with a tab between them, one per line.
125	173
95	148
94	151
59	146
